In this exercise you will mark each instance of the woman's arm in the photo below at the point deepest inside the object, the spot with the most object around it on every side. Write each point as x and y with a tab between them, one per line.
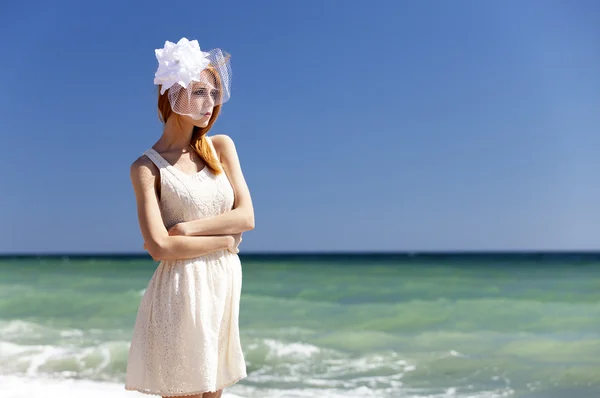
238	220
159	244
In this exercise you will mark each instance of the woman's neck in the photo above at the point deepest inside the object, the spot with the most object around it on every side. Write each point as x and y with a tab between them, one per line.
177	135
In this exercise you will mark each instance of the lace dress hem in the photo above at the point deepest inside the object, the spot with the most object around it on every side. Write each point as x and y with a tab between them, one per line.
185	394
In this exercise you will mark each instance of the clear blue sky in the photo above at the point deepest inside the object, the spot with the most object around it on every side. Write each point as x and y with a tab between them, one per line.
361	125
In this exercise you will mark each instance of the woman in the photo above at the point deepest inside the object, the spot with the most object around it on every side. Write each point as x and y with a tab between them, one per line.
193	205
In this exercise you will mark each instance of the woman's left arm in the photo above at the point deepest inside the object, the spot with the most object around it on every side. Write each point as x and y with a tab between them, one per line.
241	217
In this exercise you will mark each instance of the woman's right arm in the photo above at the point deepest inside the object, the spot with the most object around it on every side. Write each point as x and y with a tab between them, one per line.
160	245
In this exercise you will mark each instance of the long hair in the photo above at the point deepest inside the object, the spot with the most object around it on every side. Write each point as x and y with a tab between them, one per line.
198	141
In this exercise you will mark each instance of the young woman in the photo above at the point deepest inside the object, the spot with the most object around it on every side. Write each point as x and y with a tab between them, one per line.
193	205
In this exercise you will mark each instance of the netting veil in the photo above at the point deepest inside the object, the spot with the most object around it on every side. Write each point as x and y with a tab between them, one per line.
196	80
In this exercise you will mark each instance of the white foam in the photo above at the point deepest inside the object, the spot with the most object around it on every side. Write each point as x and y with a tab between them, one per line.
23	387
19	328
296	350
71	333
10	349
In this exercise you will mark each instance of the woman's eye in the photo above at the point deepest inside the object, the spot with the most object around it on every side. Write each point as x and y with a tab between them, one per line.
214	93
200	91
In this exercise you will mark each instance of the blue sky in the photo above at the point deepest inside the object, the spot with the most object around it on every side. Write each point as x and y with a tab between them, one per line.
361	126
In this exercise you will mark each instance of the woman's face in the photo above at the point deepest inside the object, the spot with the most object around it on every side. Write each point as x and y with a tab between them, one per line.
203	96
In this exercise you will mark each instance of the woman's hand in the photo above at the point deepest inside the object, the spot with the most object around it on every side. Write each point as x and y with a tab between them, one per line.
237	239
178	229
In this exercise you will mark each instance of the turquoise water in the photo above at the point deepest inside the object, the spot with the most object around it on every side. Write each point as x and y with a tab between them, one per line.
332	326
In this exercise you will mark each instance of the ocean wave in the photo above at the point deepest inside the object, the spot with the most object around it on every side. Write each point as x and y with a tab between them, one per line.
303	362
26	387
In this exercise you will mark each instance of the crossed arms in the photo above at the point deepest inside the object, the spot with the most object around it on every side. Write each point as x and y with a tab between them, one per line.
199	237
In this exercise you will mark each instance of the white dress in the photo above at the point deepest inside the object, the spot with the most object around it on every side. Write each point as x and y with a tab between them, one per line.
186	336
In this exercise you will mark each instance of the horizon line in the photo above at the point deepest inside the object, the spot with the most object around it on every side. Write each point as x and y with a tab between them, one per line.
328	253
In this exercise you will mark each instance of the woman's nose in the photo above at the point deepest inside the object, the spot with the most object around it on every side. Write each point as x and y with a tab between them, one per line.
209	101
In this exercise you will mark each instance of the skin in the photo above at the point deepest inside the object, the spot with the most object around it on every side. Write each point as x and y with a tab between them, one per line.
199	237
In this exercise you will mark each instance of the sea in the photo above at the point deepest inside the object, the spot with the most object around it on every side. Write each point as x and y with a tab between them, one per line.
407	325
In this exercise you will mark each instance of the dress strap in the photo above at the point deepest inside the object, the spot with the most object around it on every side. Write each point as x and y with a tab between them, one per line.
155	157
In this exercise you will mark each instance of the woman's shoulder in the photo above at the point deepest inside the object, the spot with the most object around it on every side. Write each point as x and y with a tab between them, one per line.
223	143
143	168
221	139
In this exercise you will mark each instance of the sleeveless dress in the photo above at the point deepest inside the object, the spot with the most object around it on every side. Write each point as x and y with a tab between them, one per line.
186	336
